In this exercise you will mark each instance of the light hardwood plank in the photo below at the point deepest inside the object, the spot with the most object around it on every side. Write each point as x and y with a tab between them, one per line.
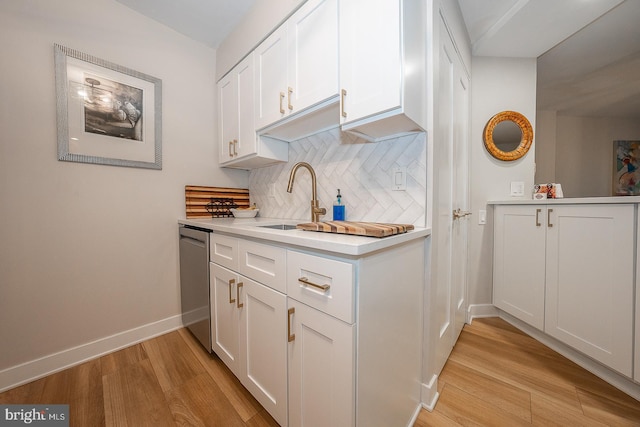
122	358
200	402
133	397
173	362
506	397
467	409
616	411
548	412
243	402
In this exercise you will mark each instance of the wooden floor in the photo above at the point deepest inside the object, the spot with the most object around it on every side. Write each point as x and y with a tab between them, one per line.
499	376
496	376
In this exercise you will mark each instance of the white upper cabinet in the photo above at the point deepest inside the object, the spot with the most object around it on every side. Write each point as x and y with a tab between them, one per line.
297	71
240	147
382	63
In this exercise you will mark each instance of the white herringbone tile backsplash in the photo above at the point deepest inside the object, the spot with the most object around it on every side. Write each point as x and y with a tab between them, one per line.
363	171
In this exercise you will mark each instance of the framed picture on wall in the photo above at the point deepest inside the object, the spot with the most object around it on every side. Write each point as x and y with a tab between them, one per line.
626	168
107	114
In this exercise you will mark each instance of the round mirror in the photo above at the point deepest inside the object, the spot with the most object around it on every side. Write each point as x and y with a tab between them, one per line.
508	136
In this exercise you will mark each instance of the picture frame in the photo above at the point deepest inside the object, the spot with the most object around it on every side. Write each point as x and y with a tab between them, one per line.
106	114
626	168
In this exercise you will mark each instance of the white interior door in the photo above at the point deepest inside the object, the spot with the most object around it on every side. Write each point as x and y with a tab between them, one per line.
452	193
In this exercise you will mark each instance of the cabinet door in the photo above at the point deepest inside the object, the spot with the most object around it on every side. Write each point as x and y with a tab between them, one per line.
589	294
225	317
370	57
247	141
312	34
236	96
519	262
321	368
263	346
271	79
227	116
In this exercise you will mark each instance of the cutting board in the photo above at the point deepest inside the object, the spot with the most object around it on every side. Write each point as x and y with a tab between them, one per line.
371	229
197	197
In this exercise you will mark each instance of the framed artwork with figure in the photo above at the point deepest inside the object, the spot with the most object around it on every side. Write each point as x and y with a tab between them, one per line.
106	113
626	168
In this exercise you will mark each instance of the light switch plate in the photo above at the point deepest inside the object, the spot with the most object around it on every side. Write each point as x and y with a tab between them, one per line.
517	188
482	217
399	179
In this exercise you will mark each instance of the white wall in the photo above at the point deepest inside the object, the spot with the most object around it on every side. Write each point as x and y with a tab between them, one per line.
579	154
498	84
263	17
88	251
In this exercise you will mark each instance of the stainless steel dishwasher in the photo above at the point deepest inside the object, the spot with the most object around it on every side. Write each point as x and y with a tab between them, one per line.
194	283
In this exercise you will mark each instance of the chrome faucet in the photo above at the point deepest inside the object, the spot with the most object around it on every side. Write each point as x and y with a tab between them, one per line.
316	210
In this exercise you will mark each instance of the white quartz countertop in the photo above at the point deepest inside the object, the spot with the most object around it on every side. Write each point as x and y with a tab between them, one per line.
338	243
569	201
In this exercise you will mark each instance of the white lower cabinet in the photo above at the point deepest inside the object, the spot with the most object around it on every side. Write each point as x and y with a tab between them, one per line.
321	368
304	331
569	271
248	319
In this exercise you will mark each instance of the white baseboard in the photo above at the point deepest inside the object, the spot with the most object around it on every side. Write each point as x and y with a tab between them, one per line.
430	394
38	368
476	311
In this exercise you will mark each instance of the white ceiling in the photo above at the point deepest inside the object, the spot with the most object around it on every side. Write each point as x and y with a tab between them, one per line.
207	21
594	72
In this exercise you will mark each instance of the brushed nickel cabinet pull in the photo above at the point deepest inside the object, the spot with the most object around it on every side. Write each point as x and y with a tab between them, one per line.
235	147
343	93
549	218
239	304
306	281
231	282
281	99
538	217
289	92
290	336
230	153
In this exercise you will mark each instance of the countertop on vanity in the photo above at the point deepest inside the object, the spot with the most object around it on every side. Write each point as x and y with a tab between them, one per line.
329	242
570	201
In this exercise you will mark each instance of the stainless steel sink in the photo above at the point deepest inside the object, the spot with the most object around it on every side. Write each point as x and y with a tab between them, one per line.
279	226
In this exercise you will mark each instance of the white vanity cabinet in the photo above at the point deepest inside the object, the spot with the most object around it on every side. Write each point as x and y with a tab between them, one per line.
573	265
297	65
382	79
519	262
240	146
248	319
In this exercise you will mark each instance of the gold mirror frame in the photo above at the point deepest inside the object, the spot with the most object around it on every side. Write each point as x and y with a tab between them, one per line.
525	142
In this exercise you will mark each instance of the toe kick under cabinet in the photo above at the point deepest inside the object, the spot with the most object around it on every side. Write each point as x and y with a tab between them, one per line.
320	339
568	270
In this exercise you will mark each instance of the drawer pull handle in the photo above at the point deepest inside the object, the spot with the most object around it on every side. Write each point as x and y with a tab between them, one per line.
343	93
235	147
307	282
291	337
549	218
289	92
281	99
230	152
239	304
231	282
538	217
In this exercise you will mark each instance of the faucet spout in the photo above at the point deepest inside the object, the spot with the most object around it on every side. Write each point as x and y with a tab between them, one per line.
316	210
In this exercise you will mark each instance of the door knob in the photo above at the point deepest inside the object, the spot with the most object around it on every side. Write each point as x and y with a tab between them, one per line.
457	213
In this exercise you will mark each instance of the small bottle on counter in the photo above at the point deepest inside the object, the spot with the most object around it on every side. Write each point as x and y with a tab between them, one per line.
338	208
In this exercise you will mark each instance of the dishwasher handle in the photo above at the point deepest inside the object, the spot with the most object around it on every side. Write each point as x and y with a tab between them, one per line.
195	234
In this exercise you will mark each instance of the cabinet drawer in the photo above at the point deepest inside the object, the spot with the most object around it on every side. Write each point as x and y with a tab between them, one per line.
322	283
263	263
224	251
